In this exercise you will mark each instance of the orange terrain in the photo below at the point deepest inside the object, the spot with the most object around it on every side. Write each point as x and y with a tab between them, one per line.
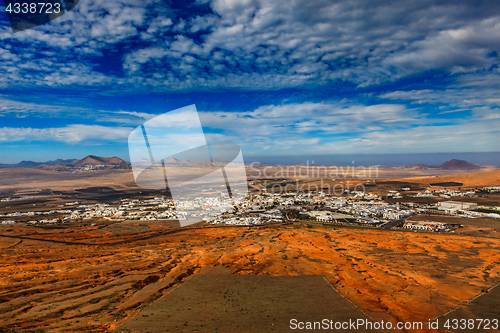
471	180
390	275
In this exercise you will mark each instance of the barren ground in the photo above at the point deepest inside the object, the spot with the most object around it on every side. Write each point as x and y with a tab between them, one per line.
33	179
397	276
245	303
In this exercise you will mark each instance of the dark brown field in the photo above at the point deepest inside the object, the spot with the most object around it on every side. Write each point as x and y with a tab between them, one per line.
244	303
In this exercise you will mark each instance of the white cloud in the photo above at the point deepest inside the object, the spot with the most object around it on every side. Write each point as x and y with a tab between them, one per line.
459	50
314	118
454	96
72	134
258	45
142	115
323	128
17	109
254	44
472	136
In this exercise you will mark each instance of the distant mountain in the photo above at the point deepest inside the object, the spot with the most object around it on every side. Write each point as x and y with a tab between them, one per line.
175	161
220	161
31	164
453	164
143	161
59	161
96	160
459	165
27	164
89	160
448	165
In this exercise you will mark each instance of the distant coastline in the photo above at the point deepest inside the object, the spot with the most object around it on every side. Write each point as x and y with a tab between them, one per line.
481	158
385	160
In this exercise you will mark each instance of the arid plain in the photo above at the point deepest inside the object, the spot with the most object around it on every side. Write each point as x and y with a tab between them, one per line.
95	278
397	276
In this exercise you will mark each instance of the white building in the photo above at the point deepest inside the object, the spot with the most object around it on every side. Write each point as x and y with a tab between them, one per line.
425	226
453	206
396	214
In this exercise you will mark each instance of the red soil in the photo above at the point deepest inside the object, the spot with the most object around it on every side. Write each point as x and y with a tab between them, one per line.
397	276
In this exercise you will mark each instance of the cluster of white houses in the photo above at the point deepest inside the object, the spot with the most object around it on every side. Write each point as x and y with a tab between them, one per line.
15	199
265	208
426	226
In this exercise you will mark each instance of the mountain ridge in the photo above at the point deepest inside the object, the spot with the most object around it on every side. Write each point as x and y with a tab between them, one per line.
97	160
452	164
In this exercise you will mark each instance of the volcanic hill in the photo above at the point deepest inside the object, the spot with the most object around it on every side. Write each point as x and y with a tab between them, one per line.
453	164
96	160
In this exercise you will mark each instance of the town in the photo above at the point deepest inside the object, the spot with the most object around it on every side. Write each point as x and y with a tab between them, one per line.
356	208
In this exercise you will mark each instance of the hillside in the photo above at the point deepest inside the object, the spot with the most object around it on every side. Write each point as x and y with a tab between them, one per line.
96	160
459	165
453	164
175	161
31	164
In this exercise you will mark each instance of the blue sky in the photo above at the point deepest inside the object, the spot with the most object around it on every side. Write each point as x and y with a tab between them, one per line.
279	78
